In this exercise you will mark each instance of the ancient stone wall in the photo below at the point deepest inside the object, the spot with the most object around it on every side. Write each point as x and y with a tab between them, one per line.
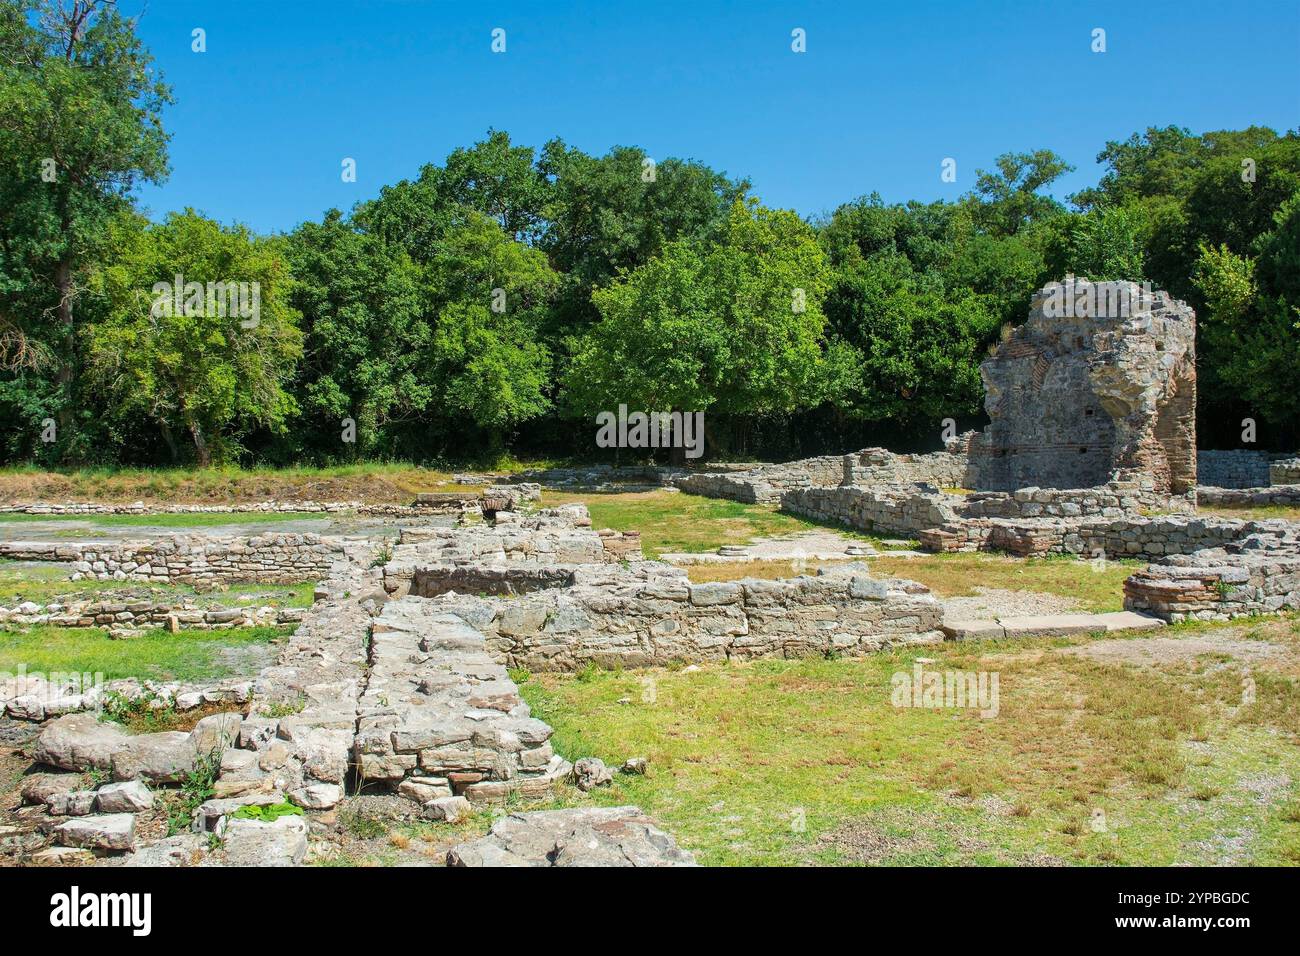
889	509
192	559
1076	393
1271	496
515	554
125	615
1124	495
1285	471
879	466
650	614
766	483
1126	537
441	718
1235	468
909	509
1260	575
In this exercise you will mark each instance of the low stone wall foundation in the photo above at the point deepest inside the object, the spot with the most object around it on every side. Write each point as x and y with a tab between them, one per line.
192	559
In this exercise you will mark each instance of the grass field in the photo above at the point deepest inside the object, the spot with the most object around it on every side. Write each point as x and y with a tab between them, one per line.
675	522
154	655
958	575
794	762
1261	513
372	482
1098	587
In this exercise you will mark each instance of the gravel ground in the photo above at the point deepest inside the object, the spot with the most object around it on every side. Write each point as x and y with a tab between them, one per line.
990	603
1162	650
814	545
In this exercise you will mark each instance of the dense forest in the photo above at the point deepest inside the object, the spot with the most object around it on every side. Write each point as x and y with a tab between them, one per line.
496	302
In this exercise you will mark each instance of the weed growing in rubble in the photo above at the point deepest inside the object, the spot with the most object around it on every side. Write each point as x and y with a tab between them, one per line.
197	787
267	813
147	712
285	708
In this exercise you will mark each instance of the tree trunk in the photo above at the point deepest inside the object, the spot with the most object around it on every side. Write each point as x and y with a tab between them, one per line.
67	367
200	443
170	439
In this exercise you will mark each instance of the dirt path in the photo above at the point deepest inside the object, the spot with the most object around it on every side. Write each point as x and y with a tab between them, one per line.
1169	649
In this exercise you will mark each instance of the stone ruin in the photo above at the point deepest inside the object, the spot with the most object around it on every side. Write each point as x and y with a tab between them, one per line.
397	679
1076	400
397	682
1073	398
1090	450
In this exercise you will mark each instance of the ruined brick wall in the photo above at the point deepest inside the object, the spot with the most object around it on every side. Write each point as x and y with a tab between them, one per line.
1235	468
1218	584
1101	377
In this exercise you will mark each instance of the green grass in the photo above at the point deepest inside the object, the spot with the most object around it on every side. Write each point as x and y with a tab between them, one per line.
372	481
154	655
39	583
793	762
957	575
44	584
1097	587
1258	513
676	522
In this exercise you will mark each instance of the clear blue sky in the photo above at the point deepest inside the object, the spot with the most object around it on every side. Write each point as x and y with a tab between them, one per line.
885	91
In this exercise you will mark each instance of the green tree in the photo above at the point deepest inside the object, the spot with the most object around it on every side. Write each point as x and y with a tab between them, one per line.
492	293
733	328
906	351
214	361
1251	319
365	318
80	129
1008	199
501	181
1106	246
611	214
1183	191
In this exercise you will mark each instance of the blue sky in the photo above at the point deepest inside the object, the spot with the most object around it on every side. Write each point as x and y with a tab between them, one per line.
884	93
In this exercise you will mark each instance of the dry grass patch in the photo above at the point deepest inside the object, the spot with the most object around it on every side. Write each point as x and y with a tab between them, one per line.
1256	513
675	522
1097	588
370	482
740	751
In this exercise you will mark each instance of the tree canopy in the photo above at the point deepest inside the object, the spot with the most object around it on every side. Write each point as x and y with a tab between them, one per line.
498	300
